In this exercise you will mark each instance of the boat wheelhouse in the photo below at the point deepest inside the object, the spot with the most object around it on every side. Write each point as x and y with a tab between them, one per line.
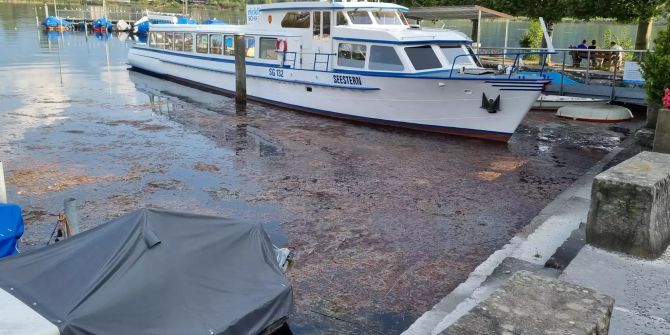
354	60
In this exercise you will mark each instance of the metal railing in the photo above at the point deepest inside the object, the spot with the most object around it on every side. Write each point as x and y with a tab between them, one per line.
285	58
515	63
591	67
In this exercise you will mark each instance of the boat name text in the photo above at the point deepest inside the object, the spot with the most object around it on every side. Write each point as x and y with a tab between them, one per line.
347	80
279	73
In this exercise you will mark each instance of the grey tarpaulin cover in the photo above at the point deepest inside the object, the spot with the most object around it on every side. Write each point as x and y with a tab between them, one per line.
155	272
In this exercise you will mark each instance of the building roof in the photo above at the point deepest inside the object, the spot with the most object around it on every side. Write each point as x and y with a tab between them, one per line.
454	13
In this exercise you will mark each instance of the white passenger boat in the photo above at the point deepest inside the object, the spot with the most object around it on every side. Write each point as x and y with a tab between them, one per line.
354	60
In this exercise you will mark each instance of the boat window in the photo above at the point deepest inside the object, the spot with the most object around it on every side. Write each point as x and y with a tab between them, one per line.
179	41
387	17
296	20
251	47
359	17
423	57
201	43
384	58
403	18
351	55
152	40
188	42
316	28
326	25
457	55
160	40
169	41
268	48
341	19
230	45
216	44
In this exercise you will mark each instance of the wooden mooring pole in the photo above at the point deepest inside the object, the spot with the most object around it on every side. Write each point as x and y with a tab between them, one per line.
240	70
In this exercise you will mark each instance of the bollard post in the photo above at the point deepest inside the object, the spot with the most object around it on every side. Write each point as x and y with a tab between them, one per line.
70	209
240	70
3	190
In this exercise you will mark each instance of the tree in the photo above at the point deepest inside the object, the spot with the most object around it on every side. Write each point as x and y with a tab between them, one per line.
656	68
642	11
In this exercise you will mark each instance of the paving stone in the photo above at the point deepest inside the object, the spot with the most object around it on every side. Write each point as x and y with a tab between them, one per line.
531	304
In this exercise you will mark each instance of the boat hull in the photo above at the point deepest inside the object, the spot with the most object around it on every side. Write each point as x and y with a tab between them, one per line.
433	104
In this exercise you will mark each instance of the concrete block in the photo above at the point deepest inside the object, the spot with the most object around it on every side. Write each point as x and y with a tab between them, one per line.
530	304
662	134
630	206
644	137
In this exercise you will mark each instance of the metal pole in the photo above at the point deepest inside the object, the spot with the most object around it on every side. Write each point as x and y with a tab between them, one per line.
3	189
506	36
70	209
240	70
46	11
479	30
37	19
560	91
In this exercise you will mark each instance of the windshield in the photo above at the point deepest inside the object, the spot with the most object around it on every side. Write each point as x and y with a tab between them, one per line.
359	17
387	17
457	55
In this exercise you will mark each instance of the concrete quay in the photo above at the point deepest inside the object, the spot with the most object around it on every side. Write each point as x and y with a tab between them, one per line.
553	246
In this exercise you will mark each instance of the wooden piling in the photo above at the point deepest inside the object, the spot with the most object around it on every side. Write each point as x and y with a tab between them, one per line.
240	70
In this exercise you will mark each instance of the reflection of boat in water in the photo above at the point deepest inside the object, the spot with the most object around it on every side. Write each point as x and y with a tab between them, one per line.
554	102
354	60
53	23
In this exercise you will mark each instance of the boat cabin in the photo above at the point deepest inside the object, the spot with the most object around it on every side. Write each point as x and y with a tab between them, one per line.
326	36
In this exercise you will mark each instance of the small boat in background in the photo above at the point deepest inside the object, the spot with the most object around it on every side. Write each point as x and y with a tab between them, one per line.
604	113
213	21
53	23
554	102
143	25
122	25
102	25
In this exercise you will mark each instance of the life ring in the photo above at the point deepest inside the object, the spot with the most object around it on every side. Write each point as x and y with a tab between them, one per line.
282	45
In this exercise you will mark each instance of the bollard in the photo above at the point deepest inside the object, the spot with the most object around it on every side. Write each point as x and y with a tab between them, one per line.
3	190
240	70
70	209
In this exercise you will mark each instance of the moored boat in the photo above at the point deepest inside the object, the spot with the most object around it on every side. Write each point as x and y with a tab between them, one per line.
53	23
554	102
353	60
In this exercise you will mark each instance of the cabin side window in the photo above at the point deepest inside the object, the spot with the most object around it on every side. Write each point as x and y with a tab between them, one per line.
384	58
160	40
230	45
341	19
169	41
351	55
188	42
152	40
296	20
216	44
201	43
179	41
268	48
326	25
359	17
251	46
423	57
316	27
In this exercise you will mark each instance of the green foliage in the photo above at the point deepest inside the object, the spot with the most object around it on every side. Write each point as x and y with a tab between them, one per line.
656	68
550	10
532	38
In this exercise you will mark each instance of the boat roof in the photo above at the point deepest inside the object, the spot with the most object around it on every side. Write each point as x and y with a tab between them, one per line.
321	5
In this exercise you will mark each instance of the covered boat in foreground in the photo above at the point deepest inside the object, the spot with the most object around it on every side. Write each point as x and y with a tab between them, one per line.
148	272
354	60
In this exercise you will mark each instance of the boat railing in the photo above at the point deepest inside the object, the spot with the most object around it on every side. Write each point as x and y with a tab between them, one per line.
606	73
514	66
289	58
